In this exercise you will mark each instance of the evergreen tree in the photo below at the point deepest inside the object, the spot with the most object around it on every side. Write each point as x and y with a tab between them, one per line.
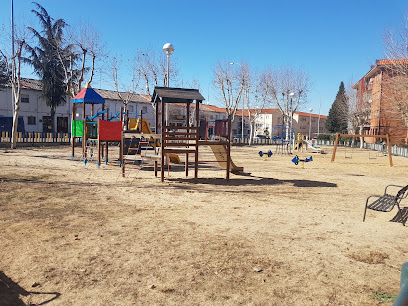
4	77
45	59
337	120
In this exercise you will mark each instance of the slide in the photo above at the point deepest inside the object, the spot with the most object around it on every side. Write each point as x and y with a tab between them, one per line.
220	153
310	144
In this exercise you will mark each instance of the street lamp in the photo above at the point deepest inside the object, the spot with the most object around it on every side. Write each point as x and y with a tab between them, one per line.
168	48
243	106
291	95
310	121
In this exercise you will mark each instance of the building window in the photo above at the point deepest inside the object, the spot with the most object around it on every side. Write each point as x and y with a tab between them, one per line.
144	110
24	99
31	120
130	108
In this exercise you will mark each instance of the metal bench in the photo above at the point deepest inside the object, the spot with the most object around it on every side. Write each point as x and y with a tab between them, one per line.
387	201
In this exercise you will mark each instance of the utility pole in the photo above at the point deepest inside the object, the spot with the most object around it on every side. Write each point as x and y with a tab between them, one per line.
13	63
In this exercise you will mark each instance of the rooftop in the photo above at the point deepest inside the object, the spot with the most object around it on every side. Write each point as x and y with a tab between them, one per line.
106	94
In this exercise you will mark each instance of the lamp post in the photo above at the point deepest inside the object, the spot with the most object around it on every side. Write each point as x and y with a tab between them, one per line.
168	48
310	121
291	95
320	106
243	106
12	54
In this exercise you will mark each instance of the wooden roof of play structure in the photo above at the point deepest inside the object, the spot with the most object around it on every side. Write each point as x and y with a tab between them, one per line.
176	95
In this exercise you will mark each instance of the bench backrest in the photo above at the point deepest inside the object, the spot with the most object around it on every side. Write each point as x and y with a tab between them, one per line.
401	193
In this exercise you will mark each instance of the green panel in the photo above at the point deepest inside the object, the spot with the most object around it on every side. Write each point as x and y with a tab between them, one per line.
77	128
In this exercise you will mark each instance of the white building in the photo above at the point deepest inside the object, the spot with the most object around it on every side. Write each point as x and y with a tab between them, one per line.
36	114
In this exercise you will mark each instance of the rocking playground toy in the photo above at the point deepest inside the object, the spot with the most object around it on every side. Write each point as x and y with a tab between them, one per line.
269	153
296	160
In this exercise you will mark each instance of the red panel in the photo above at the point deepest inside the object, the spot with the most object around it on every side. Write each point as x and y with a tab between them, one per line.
109	130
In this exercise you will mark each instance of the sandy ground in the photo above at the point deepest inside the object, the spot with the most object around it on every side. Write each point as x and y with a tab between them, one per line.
277	235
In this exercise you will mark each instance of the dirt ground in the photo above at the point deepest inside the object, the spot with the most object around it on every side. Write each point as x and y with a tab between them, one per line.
276	235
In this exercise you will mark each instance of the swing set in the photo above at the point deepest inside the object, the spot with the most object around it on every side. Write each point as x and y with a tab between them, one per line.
363	136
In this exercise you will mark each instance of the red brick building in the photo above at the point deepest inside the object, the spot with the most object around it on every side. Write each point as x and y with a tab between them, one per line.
384	91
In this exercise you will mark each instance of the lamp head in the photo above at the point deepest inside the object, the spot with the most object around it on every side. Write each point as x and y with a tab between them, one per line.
168	49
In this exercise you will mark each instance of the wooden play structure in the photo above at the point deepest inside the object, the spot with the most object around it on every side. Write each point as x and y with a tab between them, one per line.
363	136
182	139
93	134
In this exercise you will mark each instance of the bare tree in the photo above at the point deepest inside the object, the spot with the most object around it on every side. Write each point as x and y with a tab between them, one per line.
396	46
396	50
257	95
288	90
152	68
359	111
231	84
13	64
78	56
126	77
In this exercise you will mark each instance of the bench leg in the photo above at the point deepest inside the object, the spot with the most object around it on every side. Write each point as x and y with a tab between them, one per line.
365	210
400	213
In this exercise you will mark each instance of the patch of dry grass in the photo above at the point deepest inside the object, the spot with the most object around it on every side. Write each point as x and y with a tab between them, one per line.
370	257
279	235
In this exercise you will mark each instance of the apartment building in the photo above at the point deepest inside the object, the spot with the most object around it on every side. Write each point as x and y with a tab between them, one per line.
380	91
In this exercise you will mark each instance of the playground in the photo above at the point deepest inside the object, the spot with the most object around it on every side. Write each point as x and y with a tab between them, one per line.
278	233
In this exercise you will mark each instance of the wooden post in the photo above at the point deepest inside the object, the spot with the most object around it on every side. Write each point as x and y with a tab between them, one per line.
389	150
196	142
74	107
122	148
156	131
84	136
106	151
141	121
229	148
99	144
162	139
188	130
103	114
335	147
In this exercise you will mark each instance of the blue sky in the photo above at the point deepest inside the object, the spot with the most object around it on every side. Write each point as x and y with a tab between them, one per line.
333	40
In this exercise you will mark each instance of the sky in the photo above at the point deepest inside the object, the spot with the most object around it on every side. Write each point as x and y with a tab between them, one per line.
332	40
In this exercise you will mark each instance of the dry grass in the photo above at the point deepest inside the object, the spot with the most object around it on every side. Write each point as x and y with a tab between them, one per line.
371	257
278	235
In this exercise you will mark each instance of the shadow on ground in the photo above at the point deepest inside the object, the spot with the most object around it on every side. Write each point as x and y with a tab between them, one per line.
10	292
401	219
253	181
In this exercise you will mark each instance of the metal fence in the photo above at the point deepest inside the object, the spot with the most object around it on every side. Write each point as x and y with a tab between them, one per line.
395	150
65	138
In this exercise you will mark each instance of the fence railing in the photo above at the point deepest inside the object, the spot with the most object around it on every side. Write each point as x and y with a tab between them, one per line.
34	137
395	150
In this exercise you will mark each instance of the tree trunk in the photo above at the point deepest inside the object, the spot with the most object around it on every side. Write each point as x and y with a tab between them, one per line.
361	138
14	132
52	119
251	132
